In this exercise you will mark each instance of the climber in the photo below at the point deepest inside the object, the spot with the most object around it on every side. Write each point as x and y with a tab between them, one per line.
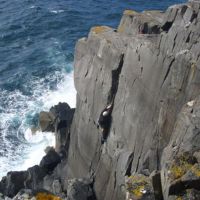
105	121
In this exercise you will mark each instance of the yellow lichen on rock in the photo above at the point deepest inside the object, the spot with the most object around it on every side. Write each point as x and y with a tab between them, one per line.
130	12
137	186
99	29
121	28
196	170
193	69
180	167
138	191
46	196
178	171
179	198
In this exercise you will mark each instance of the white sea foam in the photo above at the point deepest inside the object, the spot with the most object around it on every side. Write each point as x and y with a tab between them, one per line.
56	11
20	110
39	141
65	93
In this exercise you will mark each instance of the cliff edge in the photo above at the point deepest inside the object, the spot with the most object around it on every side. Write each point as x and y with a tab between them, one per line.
148	69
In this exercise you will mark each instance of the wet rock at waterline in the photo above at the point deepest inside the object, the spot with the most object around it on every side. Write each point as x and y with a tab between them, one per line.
46	121
58	120
50	160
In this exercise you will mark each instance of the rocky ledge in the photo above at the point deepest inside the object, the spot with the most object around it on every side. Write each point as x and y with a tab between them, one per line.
144	79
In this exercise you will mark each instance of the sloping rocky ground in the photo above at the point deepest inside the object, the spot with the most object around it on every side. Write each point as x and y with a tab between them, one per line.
149	70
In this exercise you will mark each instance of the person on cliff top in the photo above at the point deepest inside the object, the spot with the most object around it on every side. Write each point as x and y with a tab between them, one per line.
105	121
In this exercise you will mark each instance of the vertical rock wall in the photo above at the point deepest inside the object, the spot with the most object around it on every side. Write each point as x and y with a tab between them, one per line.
149	68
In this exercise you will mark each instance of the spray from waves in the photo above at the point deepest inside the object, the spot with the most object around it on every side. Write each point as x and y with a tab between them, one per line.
56	11
19	148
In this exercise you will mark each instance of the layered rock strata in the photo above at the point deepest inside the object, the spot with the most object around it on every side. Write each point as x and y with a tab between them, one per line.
149	70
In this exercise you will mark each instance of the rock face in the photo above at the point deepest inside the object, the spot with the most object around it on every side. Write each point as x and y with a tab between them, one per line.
149	70
64	115
180	160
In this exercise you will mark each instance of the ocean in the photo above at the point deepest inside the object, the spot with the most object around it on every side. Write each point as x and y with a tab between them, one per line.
37	40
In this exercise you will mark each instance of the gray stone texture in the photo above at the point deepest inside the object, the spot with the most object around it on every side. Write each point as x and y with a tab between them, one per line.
80	189
156	74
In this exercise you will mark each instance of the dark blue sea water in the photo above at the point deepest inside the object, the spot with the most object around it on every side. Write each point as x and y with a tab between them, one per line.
37	39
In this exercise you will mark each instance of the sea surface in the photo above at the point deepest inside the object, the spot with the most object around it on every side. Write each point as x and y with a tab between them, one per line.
37	39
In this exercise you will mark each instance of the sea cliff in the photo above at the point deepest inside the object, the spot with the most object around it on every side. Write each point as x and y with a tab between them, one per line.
149	70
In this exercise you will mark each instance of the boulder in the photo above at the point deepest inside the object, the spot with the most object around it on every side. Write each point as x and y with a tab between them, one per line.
80	189
48	148
58	120
13	182
64	115
50	161
35	177
46	121
60	111
59	117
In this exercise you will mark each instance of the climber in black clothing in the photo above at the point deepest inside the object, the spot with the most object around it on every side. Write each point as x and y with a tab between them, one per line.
105	121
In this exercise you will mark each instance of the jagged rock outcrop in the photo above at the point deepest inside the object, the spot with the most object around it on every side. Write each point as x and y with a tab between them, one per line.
148	22
50	160
58	120
47	174
149	71
46	120
33	178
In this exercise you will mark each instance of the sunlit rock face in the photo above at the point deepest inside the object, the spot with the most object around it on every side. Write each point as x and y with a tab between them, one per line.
149	69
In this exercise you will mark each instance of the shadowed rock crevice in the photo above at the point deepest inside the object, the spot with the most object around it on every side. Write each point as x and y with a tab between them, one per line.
129	165
157	185
115	80
167	26
168	71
